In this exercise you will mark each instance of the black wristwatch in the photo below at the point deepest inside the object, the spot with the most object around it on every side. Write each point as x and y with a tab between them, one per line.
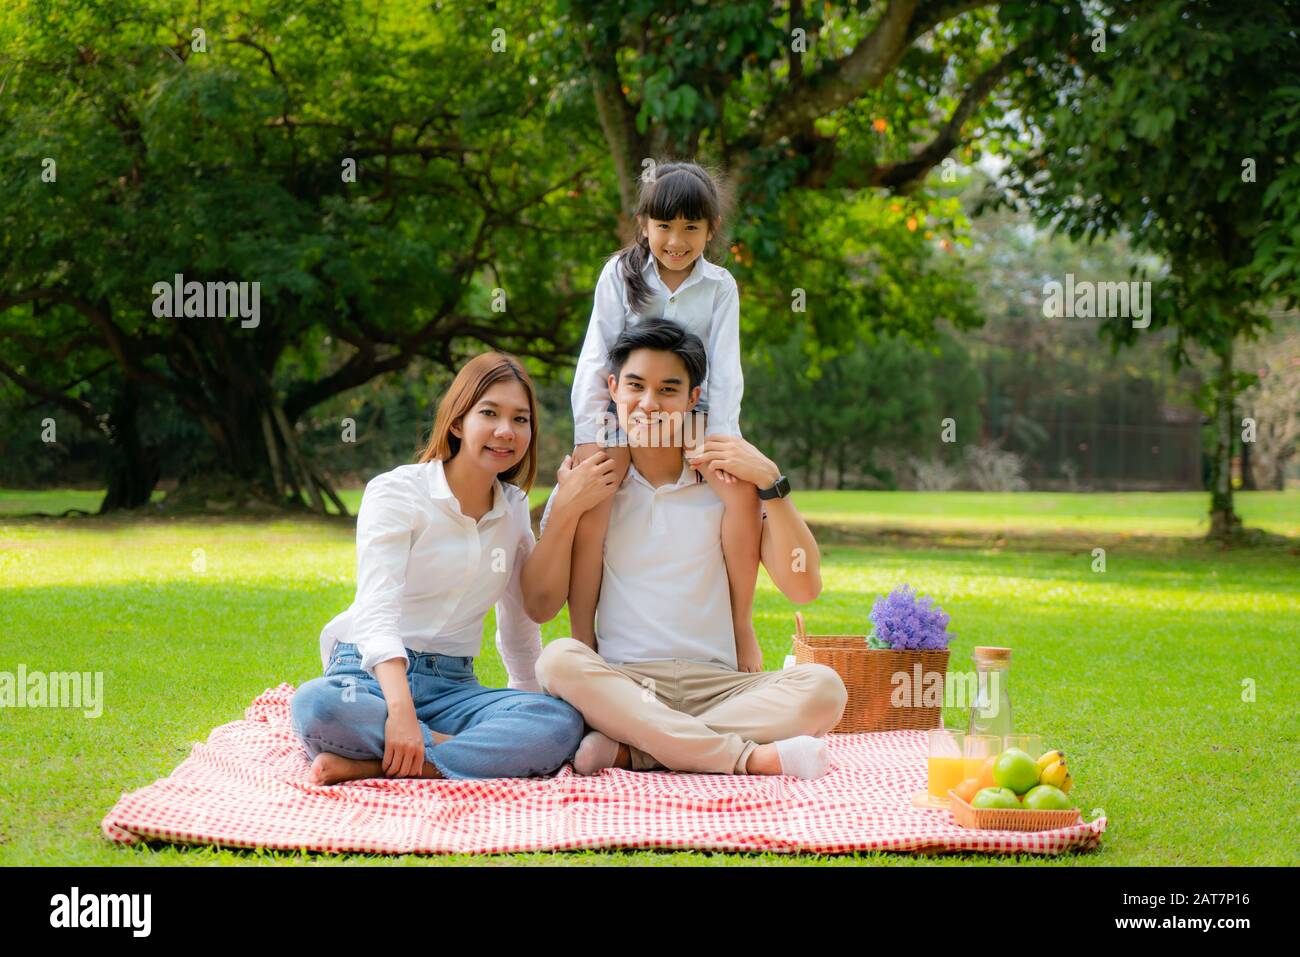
780	489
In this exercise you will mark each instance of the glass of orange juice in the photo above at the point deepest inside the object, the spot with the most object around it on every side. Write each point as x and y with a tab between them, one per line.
976	749
946	765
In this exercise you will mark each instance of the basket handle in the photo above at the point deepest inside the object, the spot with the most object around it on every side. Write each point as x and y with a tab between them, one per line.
799	631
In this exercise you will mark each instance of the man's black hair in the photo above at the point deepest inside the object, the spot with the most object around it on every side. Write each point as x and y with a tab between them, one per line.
663	335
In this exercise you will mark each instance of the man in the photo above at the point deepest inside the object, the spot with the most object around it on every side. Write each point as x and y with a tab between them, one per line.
661	689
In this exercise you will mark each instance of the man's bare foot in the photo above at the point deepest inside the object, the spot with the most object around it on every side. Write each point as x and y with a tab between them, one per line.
335	769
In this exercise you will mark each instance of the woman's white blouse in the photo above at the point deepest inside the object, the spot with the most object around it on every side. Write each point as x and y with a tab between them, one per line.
427	574
707	303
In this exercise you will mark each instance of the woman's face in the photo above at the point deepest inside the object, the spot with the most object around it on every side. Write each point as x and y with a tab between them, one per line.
677	243
494	434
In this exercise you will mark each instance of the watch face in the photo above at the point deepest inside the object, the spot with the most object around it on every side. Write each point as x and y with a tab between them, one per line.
778	490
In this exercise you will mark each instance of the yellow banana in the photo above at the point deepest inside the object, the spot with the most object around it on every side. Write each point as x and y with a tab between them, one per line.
1066	784
1048	758
1055	774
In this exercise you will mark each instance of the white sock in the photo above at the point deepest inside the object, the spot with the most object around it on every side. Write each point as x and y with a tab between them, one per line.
803	757
597	751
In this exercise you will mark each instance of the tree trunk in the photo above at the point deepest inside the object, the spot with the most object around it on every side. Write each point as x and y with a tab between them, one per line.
132	468
1247	469
258	464
1224	522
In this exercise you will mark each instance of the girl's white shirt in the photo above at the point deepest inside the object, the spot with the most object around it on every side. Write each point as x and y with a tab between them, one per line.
707	303
427	574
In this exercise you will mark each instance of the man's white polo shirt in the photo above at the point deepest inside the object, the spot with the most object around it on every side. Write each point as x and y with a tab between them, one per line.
664	594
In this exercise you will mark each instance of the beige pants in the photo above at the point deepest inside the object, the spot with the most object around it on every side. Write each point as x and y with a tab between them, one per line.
689	716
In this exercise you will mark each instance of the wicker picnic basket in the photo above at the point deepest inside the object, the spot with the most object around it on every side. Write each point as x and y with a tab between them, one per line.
867	674
1010	819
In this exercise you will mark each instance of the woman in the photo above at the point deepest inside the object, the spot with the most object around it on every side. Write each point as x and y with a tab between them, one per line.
438	543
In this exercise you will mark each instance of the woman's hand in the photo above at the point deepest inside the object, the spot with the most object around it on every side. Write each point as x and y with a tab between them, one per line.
586	485
734	456
403	744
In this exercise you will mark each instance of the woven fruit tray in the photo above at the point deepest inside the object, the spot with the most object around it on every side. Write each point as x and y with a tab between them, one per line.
1008	819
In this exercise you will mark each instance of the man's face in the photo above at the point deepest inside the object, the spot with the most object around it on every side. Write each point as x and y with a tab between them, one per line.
677	243
653	395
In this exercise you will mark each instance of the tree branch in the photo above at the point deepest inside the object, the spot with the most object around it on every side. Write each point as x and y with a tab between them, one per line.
841	81
618	121
930	15
81	409
906	175
115	338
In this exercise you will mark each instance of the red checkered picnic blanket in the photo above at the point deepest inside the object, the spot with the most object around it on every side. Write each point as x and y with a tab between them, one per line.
248	787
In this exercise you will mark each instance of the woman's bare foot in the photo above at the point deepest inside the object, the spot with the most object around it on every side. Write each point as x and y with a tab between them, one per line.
335	769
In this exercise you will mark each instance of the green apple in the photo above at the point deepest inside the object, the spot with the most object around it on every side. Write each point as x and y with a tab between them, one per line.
996	797
1016	770
1046	797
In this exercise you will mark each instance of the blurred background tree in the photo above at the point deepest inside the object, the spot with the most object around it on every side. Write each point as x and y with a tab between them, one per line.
1180	135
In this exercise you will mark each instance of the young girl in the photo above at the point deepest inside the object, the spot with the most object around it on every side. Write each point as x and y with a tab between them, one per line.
439	542
665	274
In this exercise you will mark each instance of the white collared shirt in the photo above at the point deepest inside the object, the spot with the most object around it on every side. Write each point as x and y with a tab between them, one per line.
707	303
427	574
665	593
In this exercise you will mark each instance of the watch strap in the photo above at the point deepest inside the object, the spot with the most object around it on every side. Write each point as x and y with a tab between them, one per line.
779	489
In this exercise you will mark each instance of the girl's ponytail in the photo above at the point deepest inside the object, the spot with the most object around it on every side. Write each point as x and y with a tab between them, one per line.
630	263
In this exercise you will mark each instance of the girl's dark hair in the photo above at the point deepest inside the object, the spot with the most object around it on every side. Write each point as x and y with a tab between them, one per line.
675	189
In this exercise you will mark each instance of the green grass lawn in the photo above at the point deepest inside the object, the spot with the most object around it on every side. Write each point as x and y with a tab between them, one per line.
1136	672
1140	514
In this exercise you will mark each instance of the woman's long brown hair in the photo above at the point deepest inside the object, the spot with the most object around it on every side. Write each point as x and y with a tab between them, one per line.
473	379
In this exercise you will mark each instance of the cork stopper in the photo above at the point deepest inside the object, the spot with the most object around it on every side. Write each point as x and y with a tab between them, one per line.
993	654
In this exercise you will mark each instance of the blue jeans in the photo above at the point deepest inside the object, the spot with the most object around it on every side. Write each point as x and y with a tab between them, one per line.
499	732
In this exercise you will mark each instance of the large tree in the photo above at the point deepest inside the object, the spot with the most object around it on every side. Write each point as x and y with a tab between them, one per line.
138	142
1184	134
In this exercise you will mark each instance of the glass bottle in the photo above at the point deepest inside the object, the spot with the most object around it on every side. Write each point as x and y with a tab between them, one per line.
991	713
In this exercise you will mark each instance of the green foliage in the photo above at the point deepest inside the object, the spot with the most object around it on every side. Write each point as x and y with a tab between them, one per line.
1153	143
862	264
228	162
1277	258
849	422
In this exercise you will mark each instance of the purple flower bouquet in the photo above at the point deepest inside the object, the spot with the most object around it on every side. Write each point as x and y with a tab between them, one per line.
902	620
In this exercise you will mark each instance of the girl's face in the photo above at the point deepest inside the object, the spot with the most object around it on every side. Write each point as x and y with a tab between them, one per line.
677	243
494	434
